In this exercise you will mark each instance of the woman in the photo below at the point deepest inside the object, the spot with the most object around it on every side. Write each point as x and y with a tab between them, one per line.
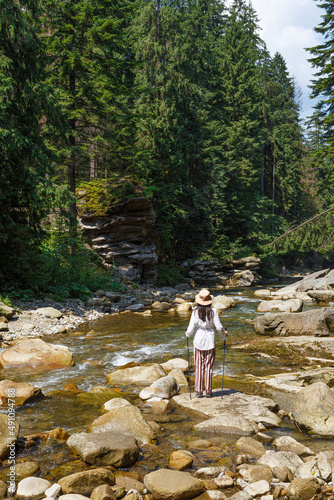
204	320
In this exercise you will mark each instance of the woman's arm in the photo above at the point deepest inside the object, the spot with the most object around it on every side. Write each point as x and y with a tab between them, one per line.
219	327
192	325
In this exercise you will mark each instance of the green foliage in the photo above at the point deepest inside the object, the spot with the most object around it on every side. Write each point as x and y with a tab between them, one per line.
5	299
170	274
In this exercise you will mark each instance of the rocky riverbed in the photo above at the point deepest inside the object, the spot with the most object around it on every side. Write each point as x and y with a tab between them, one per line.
141	434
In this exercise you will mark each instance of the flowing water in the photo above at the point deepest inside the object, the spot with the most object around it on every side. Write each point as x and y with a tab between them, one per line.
108	343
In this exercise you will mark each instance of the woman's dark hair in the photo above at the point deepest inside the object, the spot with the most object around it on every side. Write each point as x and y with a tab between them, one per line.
205	312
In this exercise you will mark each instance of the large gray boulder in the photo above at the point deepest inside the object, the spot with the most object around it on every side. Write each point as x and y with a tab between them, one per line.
83	483
175	363
49	312
318	322
320	280
295	381
319	467
288	443
35	353
304	489
106	448
313	409
165	484
140	375
126	420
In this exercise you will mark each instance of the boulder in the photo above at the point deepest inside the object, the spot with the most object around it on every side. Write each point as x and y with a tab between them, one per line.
242	278
318	467
103	492
303	489
174	363
223	482
83	483
295	381
228	423
115	403
258	488
49	312
250	446
313	409
6	311
165	484
321	296
126	420
25	469
181	460
313	322
315	281
165	388
178	374
24	392
184	307
32	488
254	473
9	431
221	302
210	472
35	353
53	491
136	375
288	443
130	483
107	448
262	293
292	305
281	459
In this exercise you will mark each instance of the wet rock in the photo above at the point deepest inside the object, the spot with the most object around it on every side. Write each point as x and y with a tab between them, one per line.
130	483
25	469
254	473
292	306
258	488
295	381
243	278
168	484
174	363
32	488
126	420
221	302
200	443
135	307
83	483
70	387
288	443
185	307
181	460
313	322
303	489
250	446
319	467
159	406
3	489
49	312
281	459
165	388
6	311
160	306
313	409
212	495
107	448
262	293
9	431
103	492
321	296
24	392
137	375
223	482
35	353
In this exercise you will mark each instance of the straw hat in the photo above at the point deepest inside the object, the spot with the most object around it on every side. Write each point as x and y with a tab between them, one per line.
204	298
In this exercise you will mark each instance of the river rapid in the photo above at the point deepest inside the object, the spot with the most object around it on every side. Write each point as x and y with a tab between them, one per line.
102	346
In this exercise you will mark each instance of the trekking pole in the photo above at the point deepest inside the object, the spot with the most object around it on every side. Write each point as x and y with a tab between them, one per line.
223	367
188	368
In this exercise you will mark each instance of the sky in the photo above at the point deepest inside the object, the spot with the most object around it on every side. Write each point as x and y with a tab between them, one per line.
288	28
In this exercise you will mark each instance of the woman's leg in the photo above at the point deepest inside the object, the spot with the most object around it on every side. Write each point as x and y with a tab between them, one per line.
199	370
209	361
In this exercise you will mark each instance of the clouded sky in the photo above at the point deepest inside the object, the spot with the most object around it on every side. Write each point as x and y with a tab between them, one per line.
288	28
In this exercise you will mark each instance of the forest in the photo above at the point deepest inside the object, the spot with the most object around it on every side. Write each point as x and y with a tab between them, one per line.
177	100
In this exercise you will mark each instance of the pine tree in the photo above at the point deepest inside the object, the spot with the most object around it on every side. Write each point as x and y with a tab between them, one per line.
26	106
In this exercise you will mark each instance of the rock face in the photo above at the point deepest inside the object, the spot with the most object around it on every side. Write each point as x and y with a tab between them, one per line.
313	409
107	448
136	375
35	353
125	237
168	484
24	392
126	420
83	483
314	322
320	280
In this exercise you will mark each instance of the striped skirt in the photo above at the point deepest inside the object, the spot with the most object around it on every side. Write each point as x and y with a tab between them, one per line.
204	361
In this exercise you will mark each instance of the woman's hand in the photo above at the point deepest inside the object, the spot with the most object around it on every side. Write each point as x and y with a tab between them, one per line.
226	333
